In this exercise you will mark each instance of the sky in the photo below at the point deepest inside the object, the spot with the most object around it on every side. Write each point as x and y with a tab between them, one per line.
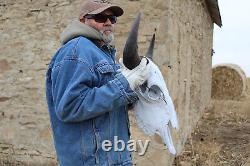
232	40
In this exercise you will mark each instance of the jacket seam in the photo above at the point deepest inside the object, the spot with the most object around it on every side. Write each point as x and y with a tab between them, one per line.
75	47
82	148
78	60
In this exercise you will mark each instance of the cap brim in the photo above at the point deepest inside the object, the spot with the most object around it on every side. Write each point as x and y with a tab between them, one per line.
115	9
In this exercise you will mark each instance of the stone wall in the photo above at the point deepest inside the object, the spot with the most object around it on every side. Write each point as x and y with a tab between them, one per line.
183	52
30	36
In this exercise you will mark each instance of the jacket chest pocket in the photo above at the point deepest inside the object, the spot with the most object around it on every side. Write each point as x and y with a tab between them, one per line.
105	73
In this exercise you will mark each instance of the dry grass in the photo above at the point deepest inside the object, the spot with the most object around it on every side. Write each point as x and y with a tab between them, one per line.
222	136
228	82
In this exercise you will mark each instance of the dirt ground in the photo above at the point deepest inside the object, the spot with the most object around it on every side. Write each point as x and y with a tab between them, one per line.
222	136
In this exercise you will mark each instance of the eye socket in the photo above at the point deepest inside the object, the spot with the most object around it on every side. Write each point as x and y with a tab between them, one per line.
155	92
144	87
152	93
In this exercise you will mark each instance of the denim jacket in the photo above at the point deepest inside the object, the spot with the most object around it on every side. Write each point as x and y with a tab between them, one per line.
87	101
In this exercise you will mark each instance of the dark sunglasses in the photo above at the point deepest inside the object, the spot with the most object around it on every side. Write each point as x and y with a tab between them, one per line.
101	18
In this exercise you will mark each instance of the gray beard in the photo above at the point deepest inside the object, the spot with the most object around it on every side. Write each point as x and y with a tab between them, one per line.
107	39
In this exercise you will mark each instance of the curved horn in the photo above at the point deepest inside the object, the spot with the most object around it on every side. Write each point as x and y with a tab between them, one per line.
151	48
131	58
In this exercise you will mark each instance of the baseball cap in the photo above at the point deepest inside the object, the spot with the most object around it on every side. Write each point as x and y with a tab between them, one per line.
98	6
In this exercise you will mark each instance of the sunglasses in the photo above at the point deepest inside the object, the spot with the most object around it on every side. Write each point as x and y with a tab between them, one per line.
101	18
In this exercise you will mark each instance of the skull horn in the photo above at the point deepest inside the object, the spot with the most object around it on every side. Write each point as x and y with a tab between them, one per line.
151	48
131	58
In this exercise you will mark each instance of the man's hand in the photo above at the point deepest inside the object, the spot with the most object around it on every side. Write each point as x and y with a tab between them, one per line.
138	75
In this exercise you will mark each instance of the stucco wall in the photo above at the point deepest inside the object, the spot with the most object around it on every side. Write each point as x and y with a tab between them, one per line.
30	36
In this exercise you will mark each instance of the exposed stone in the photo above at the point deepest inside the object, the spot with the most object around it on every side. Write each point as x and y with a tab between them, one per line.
2	99
4	65
64	3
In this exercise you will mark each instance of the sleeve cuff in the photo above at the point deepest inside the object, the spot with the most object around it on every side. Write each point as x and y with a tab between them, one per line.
121	82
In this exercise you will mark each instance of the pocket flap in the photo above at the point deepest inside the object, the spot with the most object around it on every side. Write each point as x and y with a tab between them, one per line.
105	68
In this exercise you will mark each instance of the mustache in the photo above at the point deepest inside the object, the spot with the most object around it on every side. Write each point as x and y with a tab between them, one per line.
108	28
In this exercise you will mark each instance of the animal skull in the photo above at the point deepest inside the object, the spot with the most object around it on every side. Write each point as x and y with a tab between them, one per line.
155	108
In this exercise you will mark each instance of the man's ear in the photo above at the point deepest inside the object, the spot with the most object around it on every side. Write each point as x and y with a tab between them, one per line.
82	20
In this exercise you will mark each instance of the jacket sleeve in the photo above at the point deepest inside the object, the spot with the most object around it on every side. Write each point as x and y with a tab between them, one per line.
77	100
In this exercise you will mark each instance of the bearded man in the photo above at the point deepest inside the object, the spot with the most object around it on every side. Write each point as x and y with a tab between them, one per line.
87	95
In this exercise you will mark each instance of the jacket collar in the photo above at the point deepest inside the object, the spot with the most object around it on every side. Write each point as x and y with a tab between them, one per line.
76	29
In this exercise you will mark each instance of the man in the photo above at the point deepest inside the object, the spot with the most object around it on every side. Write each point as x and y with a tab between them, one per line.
87	95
